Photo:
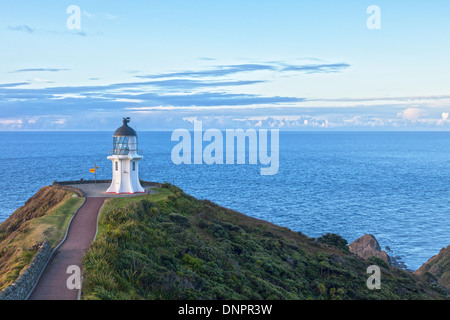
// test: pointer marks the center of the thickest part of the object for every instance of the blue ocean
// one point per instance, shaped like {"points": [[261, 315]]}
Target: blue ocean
{"points": [[394, 185]]}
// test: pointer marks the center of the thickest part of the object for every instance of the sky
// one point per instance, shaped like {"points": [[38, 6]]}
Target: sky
{"points": [[292, 65]]}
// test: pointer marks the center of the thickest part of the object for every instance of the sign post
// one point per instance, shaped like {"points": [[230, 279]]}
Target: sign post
{"points": [[94, 171]]}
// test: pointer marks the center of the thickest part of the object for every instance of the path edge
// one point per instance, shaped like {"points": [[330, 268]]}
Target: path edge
{"points": [[54, 250], [95, 237]]}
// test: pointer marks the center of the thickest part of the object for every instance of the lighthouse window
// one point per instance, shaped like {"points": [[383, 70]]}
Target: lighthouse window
{"points": [[134, 166], [120, 145], [117, 166]]}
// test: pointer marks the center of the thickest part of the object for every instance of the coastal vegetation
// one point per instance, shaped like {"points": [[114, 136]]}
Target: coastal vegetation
{"points": [[170, 245], [44, 217]]}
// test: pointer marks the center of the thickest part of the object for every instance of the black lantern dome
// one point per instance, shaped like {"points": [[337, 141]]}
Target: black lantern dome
{"points": [[125, 130]]}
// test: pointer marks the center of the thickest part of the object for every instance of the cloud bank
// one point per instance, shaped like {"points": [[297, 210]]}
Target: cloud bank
{"points": [[219, 95]]}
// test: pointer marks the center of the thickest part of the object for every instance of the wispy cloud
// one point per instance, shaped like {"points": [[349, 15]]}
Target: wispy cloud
{"points": [[109, 16], [217, 71], [145, 87], [31, 30], [195, 84], [226, 70], [170, 92], [317, 68], [106, 16], [22, 28], [15, 84], [211, 99], [392, 98], [87, 14], [39, 70], [39, 80], [77, 33]]}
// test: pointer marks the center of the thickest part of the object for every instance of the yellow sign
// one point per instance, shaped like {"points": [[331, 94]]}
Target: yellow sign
{"points": [[92, 170]]}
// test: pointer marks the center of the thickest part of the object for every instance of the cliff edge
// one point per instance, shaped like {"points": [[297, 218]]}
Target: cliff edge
{"points": [[43, 217], [438, 267]]}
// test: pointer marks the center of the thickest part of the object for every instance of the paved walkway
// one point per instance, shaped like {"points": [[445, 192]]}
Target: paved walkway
{"points": [[83, 228], [52, 284]]}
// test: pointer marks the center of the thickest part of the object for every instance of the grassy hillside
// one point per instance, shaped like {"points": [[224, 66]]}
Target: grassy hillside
{"points": [[172, 246], [44, 217], [438, 268]]}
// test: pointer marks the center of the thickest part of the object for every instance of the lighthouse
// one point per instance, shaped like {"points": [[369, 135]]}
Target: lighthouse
{"points": [[125, 161]]}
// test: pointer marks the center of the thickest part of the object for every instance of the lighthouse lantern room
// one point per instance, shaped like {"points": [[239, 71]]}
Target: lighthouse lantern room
{"points": [[125, 159]]}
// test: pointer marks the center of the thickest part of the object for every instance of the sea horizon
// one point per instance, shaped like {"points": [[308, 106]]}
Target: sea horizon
{"points": [[246, 128]]}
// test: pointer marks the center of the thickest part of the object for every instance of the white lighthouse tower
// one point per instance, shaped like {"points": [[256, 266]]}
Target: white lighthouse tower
{"points": [[125, 158]]}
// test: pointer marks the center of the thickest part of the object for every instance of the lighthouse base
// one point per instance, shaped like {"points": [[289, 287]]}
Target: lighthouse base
{"points": [[118, 187]]}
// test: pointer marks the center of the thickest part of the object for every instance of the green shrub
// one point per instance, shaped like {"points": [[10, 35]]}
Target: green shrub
{"points": [[378, 261], [334, 240]]}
